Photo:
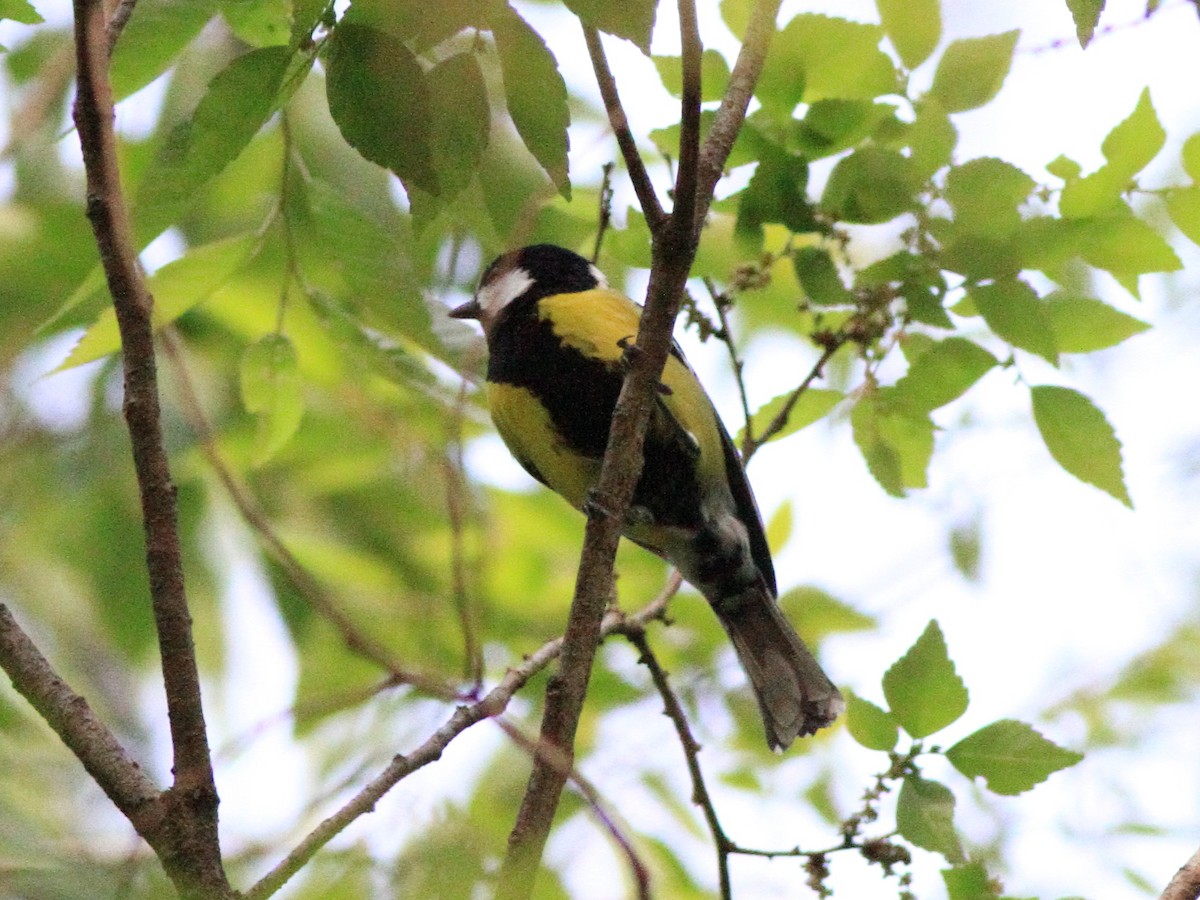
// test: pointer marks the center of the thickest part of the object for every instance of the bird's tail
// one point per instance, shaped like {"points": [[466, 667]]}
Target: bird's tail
{"points": [[794, 695]]}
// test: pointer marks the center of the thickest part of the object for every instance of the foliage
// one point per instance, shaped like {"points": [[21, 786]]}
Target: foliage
{"points": [[333, 533]]}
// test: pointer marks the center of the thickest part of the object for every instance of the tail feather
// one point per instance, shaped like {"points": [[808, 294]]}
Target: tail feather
{"points": [[795, 696]]}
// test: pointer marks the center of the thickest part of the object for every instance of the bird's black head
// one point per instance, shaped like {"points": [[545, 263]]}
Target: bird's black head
{"points": [[527, 275]]}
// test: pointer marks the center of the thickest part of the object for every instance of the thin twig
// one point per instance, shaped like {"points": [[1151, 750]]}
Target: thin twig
{"points": [[639, 870], [117, 22], [617, 119], [721, 302], [493, 704], [751, 444], [195, 863], [730, 115], [1185, 885], [605, 211], [254, 516]]}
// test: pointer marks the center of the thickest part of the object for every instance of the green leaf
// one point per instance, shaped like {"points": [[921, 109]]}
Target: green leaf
{"points": [[736, 16], [1126, 246], [932, 138], [923, 689], [260, 23], [872, 727], [1183, 206], [20, 11], [271, 390], [969, 881], [239, 100], [972, 71], [380, 102], [1190, 156], [1010, 756], [925, 817], [535, 93], [1128, 149], [819, 277], [814, 404], [714, 75], [870, 186], [913, 27], [816, 57], [895, 443], [176, 288], [1014, 311], [779, 528], [918, 280], [1084, 325], [817, 613], [629, 19], [831, 126], [1064, 167], [1080, 439], [1086, 14], [776, 193], [986, 195], [156, 33], [941, 374]]}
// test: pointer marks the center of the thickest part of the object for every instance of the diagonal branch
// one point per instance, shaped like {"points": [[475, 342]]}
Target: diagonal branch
{"points": [[195, 862], [1185, 885]]}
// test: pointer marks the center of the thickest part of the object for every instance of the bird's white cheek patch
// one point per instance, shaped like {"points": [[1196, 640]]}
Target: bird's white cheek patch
{"points": [[501, 291]]}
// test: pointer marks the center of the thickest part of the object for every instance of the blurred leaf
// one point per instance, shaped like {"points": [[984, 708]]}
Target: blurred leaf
{"points": [[972, 71], [872, 727], [1190, 156], [925, 816], [941, 374], [271, 385], [816, 57], [969, 881], [1086, 14], [895, 442], [380, 100], [917, 279], [1124, 245], [986, 194], [923, 689], [779, 528], [831, 126], [820, 278], [1014, 311], [1183, 206], [814, 404], [1084, 325], [629, 19], [20, 11], [776, 193], [1010, 756], [932, 137], [1080, 438], [965, 548], [535, 92], [154, 36], [260, 23], [870, 186], [914, 28], [818, 614], [714, 75], [176, 288]]}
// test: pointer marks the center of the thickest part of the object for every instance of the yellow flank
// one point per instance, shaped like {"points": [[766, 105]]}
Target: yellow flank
{"points": [[526, 428]]}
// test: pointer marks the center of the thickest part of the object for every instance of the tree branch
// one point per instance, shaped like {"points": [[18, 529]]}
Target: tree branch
{"points": [[493, 704], [194, 861], [1185, 885], [674, 250]]}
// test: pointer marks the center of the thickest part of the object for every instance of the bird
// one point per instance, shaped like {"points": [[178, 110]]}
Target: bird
{"points": [[556, 336]]}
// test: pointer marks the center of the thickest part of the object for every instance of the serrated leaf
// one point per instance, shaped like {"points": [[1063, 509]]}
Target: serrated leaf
{"points": [[814, 404], [1014, 311], [20, 11], [972, 71], [986, 195], [535, 94], [1080, 439], [923, 690], [815, 57], [271, 390], [629, 19], [237, 103], [872, 727], [714, 75], [969, 882], [870, 186], [1190, 156], [380, 102], [925, 816], [819, 277], [776, 193], [1084, 325], [1125, 246], [943, 373], [1183, 206], [914, 28], [895, 443], [1010, 756], [176, 287], [1086, 14]]}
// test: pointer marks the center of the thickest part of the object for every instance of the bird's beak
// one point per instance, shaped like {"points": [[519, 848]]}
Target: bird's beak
{"points": [[469, 310]]}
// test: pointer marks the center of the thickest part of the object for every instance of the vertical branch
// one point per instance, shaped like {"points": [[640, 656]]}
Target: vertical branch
{"points": [[194, 786], [674, 250]]}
